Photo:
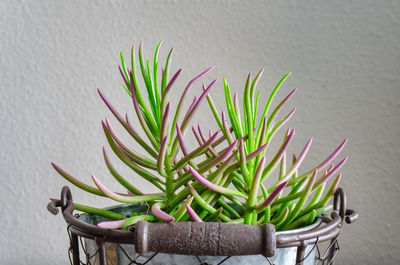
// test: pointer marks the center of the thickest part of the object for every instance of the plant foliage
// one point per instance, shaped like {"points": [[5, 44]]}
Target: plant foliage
{"points": [[224, 178]]}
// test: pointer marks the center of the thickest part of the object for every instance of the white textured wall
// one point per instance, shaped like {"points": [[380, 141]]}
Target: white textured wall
{"points": [[54, 54]]}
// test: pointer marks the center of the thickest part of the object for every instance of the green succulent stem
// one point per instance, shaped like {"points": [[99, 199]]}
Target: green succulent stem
{"points": [[170, 179], [97, 211], [134, 77], [252, 199]]}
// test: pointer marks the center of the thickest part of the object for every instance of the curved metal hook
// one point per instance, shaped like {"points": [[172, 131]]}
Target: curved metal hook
{"points": [[351, 216], [347, 215], [66, 198], [52, 206], [341, 208]]}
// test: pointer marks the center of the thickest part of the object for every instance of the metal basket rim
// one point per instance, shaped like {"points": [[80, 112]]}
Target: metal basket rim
{"points": [[329, 229]]}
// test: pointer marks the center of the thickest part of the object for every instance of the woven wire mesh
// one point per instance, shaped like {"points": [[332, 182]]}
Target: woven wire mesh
{"points": [[327, 257], [123, 254]]}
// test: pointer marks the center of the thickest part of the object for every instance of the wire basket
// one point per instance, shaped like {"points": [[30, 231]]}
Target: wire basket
{"points": [[318, 245]]}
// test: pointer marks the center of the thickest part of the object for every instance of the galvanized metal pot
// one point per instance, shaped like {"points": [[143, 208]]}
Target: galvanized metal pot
{"points": [[123, 254]]}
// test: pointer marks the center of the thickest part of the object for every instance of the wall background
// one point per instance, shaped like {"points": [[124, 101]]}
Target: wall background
{"points": [[345, 60]]}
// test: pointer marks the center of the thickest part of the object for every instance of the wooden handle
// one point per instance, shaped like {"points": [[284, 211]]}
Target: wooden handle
{"points": [[205, 239]]}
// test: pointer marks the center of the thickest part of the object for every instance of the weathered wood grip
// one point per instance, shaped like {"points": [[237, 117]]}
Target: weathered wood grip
{"points": [[206, 239]]}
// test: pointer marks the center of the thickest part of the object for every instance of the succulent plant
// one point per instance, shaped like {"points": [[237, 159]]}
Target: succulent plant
{"points": [[224, 178]]}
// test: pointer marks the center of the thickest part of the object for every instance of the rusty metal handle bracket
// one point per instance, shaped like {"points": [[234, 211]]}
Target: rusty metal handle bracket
{"points": [[340, 206], [210, 239]]}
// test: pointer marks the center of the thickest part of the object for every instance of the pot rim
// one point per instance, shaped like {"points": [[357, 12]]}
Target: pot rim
{"points": [[316, 224]]}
